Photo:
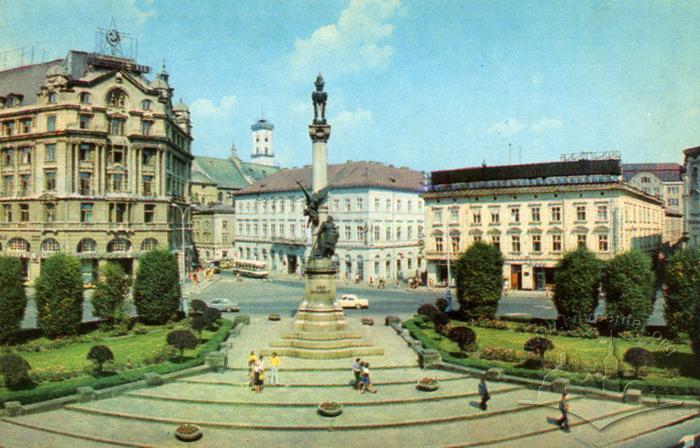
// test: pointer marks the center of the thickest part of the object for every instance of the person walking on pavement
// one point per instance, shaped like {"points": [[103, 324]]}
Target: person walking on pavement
{"points": [[356, 371], [274, 369], [252, 360], [483, 393], [564, 408]]}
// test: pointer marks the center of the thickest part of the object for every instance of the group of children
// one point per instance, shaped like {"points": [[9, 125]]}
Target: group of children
{"points": [[256, 371], [363, 382]]}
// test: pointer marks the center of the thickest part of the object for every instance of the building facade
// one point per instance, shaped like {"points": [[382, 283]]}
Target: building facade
{"points": [[376, 208], [535, 213], [692, 195], [214, 180], [94, 161]]}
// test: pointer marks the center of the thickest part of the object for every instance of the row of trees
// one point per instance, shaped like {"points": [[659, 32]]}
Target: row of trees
{"points": [[59, 294]]}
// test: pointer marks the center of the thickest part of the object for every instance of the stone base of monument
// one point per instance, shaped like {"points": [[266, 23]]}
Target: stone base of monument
{"points": [[320, 328]]}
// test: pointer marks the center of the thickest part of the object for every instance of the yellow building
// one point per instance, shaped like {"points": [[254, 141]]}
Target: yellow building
{"points": [[535, 213], [94, 160]]}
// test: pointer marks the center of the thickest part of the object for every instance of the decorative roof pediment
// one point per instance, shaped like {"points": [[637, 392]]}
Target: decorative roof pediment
{"points": [[494, 232], [475, 232], [555, 230], [514, 230], [534, 230], [601, 229], [580, 229]]}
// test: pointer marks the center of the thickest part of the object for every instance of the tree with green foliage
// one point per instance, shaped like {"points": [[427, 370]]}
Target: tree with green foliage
{"points": [[15, 371], [100, 354], [577, 281], [682, 278], [479, 279], [638, 358], [111, 293], [181, 340], [465, 337], [539, 346], [59, 296], [628, 284], [695, 332], [157, 287], [13, 300]]}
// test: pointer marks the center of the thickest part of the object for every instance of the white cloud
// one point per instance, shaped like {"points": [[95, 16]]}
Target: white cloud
{"points": [[140, 14], [348, 121], [352, 44], [506, 128], [545, 124], [204, 108]]}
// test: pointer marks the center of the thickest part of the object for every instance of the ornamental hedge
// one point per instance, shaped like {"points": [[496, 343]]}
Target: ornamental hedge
{"points": [[111, 293], [59, 296], [577, 280], [157, 287], [13, 300], [479, 279], [15, 370], [100, 354], [682, 278]]}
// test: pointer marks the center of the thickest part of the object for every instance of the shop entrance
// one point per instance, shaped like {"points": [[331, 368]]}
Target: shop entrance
{"points": [[516, 276]]}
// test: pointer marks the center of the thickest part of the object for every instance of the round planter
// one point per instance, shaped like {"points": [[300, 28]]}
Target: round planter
{"points": [[274, 317], [428, 387], [190, 436], [334, 412]]}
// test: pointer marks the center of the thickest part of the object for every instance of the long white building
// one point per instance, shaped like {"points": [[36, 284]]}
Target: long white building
{"points": [[376, 208], [692, 195]]}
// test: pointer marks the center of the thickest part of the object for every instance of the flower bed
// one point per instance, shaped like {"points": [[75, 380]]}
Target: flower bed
{"points": [[330, 409], [188, 433], [428, 384]]}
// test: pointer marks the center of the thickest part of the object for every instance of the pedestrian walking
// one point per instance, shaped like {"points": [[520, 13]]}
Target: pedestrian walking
{"points": [[274, 368], [259, 374], [252, 360], [366, 379], [564, 408], [484, 393], [356, 371]]}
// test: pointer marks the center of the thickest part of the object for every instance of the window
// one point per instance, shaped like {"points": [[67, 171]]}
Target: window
{"points": [[147, 157], [420, 231], [52, 98], [152, 243], [84, 98], [24, 183], [377, 204], [646, 180], [602, 213], [116, 98], [438, 244], [515, 215], [117, 154], [360, 233], [50, 180], [556, 243], [437, 216], [84, 121], [25, 154], [8, 128], [85, 152], [27, 126], [388, 205], [51, 123], [8, 185], [348, 233], [50, 212], [117, 212], [50, 152], [454, 214], [398, 233], [116, 126], [580, 213], [515, 243], [146, 105], [495, 217], [18, 245], [146, 127], [377, 233], [398, 205], [348, 204], [118, 182], [535, 214], [496, 241], [388, 233], [119, 245], [476, 217], [7, 212], [581, 240], [603, 243], [454, 239], [292, 230], [149, 211], [24, 212], [85, 186], [476, 238], [537, 243], [359, 205], [148, 185], [556, 214]]}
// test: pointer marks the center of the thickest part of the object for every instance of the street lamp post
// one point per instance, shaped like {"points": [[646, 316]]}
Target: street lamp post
{"points": [[183, 209]]}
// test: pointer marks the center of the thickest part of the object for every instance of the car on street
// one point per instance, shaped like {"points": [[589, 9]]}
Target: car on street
{"points": [[352, 301], [223, 305]]}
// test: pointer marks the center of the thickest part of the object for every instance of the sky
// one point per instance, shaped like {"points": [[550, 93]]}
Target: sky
{"points": [[424, 84]]}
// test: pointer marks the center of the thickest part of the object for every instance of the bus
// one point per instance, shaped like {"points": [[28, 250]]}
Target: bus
{"points": [[249, 268]]}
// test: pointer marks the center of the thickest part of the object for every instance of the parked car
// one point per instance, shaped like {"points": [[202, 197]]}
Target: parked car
{"points": [[352, 301], [223, 305]]}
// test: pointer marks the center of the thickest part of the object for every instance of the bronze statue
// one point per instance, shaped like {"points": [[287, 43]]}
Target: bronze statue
{"points": [[313, 202], [319, 98], [326, 240]]}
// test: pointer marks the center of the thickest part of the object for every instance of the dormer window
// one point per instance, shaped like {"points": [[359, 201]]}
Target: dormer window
{"points": [[84, 98], [52, 98], [146, 105]]}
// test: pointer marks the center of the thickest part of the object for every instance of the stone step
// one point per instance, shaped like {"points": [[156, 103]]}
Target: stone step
{"points": [[340, 353], [320, 345], [330, 336]]}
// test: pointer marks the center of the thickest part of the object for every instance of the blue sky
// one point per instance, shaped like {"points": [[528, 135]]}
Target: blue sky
{"points": [[425, 84]]}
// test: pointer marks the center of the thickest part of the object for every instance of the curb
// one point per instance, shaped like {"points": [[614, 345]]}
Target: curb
{"points": [[346, 384]]}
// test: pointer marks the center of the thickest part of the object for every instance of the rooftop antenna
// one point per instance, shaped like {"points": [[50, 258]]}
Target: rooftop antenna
{"points": [[509, 153], [113, 42]]}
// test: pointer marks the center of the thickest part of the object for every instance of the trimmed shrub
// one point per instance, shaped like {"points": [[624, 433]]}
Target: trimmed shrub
{"points": [[628, 283], [212, 316], [157, 287], [427, 310], [695, 331], [198, 306], [577, 281], [100, 354], [538, 346], [682, 280], [59, 296], [638, 358], [13, 300], [440, 320], [464, 337], [15, 370], [198, 322], [181, 340], [479, 279], [111, 292], [441, 304]]}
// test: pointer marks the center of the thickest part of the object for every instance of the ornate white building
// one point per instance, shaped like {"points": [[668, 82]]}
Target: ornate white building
{"points": [[376, 207], [692, 195]]}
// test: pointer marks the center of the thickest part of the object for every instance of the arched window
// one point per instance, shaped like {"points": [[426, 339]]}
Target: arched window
{"points": [[119, 245], [149, 244], [50, 245], [84, 98], [146, 105], [116, 98], [18, 245], [87, 245]]}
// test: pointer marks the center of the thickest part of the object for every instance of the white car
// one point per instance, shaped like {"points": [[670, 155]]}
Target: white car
{"points": [[223, 305], [352, 301]]}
